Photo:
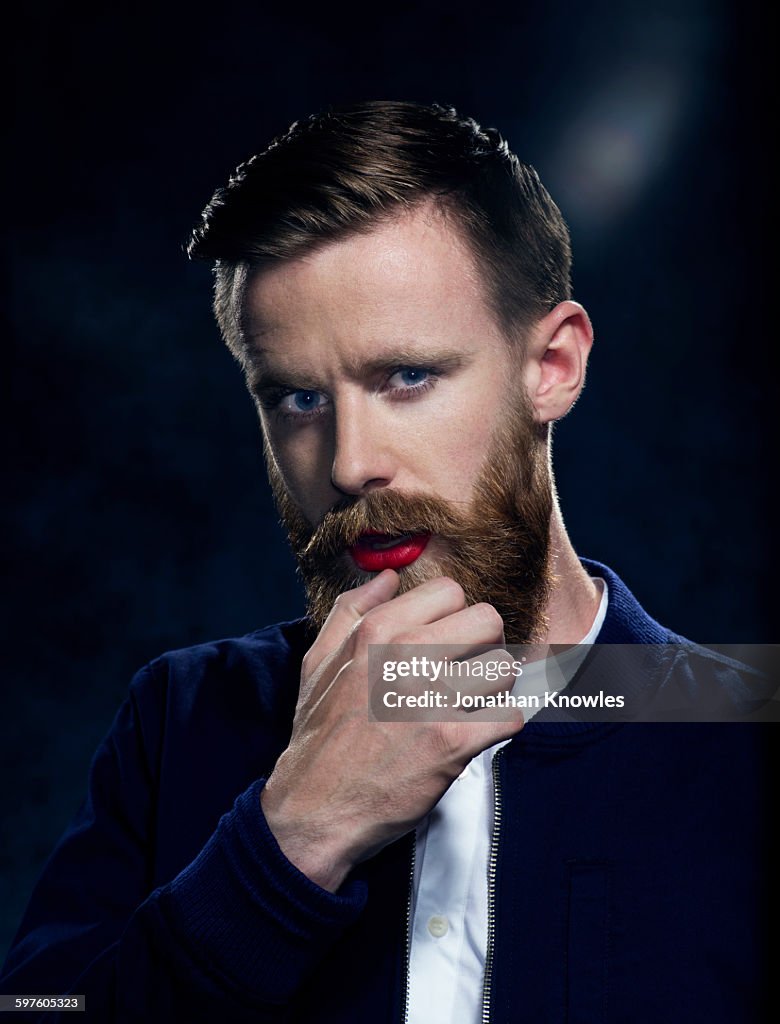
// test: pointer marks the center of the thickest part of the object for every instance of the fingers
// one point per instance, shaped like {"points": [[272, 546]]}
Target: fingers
{"points": [[485, 728], [460, 630], [433, 613], [423, 605], [382, 616], [349, 608]]}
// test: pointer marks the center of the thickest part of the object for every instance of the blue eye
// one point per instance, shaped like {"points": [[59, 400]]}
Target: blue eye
{"points": [[410, 377], [301, 402]]}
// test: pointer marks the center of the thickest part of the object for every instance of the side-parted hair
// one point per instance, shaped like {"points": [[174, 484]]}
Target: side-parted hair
{"points": [[345, 170]]}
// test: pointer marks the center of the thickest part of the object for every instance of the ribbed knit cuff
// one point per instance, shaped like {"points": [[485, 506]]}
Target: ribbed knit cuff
{"points": [[250, 912]]}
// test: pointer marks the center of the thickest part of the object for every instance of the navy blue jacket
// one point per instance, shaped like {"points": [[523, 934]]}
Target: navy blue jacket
{"points": [[630, 865]]}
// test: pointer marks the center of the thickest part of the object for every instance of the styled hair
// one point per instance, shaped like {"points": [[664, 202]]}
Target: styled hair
{"points": [[345, 170]]}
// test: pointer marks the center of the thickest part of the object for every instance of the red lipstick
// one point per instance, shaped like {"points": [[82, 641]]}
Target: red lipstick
{"points": [[376, 551]]}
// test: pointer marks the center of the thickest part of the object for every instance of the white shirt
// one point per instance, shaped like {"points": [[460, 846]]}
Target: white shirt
{"points": [[448, 931]]}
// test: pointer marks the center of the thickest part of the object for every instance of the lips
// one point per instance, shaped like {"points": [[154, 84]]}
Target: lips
{"points": [[376, 551]]}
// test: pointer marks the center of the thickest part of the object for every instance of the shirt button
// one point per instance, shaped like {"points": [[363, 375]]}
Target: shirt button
{"points": [[438, 926]]}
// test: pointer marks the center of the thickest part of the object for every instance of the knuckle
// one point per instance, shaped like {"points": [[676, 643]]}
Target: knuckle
{"points": [[453, 590], [411, 638], [488, 617], [369, 630], [343, 603], [447, 740]]}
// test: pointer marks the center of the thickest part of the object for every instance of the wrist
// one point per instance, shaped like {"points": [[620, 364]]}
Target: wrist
{"points": [[318, 850]]}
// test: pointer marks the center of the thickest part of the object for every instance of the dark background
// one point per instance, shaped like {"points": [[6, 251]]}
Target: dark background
{"points": [[138, 517]]}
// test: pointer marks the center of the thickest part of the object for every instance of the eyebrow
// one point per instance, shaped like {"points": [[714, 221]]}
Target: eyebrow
{"points": [[262, 376]]}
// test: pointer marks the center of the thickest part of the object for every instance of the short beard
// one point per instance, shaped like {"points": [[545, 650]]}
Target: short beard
{"points": [[498, 550]]}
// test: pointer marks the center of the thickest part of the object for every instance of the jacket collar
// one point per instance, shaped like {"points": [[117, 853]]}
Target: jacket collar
{"points": [[626, 621]]}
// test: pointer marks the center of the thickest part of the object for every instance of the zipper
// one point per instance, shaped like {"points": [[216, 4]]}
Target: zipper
{"points": [[408, 938], [491, 894]]}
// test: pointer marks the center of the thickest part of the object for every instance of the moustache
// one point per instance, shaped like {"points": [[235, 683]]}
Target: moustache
{"points": [[381, 511]]}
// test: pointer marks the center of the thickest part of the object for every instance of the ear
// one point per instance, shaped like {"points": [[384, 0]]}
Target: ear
{"points": [[555, 359]]}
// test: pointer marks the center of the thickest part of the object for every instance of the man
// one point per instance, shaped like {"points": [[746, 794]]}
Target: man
{"points": [[395, 285]]}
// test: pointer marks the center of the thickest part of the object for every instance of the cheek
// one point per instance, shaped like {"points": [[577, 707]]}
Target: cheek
{"points": [[304, 465], [298, 473], [451, 454]]}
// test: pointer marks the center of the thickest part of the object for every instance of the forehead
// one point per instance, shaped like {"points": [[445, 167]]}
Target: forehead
{"points": [[411, 277]]}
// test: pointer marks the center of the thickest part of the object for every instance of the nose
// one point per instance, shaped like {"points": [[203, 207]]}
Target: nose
{"points": [[363, 457]]}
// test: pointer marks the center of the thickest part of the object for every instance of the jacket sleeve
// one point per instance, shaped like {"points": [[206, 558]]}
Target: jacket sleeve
{"points": [[232, 937]]}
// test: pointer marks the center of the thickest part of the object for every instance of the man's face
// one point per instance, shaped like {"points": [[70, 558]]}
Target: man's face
{"points": [[396, 428]]}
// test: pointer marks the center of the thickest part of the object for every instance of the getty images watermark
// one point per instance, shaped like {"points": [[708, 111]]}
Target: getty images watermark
{"points": [[586, 683], [472, 672]]}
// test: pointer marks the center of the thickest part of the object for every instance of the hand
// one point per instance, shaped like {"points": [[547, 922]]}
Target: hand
{"points": [[346, 786]]}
